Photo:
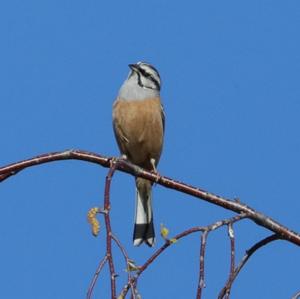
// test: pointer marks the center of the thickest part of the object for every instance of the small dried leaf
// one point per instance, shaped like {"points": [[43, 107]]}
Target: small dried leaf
{"points": [[131, 266]]}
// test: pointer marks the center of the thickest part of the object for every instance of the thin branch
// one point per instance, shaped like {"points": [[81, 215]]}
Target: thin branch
{"points": [[96, 275], [14, 168], [108, 256], [125, 166], [232, 258], [179, 236], [128, 266], [296, 296], [108, 230], [201, 283], [244, 211], [232, 247], [243, 261]]}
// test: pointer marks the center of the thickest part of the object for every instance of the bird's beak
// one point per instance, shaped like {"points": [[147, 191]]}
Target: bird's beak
{"points": [[134, 67]]}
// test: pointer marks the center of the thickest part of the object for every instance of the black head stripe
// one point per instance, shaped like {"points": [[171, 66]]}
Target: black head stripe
{"points": [[156, 71], [139, 80], [149, 76]]}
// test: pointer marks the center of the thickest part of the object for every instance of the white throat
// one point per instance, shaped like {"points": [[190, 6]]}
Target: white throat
{"points": [[131, 90]]}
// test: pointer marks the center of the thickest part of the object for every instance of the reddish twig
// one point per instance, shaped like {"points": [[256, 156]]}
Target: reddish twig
{"points": [[245, 258], [179, 236], [14, 168], [232, 257], [125, 166], [96, 275], [244, 211], [108, 229], [128, 266], [108, 256], [201, 283]]}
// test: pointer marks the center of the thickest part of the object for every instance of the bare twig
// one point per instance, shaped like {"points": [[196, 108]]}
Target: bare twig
{"points": [[232, 257], [244, 211], [108, 229], [128, 266], [179, 236], [96, 275], [125, 166], [201, 283], [14, 168], [232, 248], [245, 258], [108, 256]]}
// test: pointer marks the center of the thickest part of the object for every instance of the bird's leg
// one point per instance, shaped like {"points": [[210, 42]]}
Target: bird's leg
{"points": [[152, 161]]}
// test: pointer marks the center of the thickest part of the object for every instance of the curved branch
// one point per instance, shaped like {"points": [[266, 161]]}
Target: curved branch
{"points": [[125, 166], [96, 275], [244, 260], [296, 296], [205, 230]]}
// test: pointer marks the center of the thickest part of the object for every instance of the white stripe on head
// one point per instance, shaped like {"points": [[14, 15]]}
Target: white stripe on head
{"points": [[149, 73], [143, 82]]}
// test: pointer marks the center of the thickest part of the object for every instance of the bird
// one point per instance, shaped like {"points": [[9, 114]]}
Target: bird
{"points": [[139, 125]]}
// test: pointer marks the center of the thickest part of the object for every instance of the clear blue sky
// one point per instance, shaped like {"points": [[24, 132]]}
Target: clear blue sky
{"points": [[230, 72]]}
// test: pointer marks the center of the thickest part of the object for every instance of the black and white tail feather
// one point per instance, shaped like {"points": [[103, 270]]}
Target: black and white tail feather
{"points": [[143, 226]]}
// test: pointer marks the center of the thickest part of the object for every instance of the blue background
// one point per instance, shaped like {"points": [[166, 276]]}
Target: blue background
{"points": [[230, 72]]}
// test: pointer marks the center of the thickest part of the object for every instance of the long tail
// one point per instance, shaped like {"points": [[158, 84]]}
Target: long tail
{"points": [[143, 226]]}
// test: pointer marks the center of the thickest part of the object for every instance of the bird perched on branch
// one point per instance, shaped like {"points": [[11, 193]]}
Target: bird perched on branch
{"points": [[138, 122]]}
